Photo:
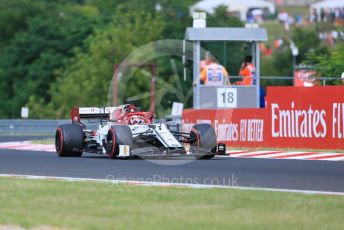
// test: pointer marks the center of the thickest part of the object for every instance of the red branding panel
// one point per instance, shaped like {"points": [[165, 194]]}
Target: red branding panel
{"points": [[295, 117], [235, 127], [306, 117]]}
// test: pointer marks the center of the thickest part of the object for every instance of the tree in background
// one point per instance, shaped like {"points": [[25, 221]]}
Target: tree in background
{"points": [[14, 16], [42, 42], [330, 64], [29, 59], [85, 79]]}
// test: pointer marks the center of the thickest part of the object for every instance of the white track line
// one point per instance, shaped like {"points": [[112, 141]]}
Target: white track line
{"points": [[164, 184]]}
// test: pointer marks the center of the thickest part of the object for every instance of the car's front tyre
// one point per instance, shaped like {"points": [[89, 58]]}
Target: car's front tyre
{"points": [[117, 135], [203, 141]]}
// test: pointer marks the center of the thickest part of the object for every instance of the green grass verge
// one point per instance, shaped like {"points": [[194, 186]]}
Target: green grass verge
{"points": [[90, 205]]}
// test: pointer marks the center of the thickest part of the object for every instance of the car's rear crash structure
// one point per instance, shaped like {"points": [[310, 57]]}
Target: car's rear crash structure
{"points": [[123, 132]]}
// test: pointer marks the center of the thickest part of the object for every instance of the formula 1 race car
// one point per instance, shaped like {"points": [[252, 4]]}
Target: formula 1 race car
{"points": [[124, 131]]}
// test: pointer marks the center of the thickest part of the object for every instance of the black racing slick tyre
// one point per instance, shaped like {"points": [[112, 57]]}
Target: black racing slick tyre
{"points": [[203, 140], [117, 135], [69, 140]]}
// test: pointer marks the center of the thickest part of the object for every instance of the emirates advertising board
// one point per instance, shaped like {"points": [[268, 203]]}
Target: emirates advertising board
{"points": [[306, 117], [295, 117]]}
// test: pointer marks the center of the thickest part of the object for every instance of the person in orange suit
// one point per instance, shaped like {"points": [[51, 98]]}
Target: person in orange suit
{"points": [[247, 71]]}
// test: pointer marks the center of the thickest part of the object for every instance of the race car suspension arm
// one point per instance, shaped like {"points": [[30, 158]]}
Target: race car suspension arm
{"points": [[184, 137]]}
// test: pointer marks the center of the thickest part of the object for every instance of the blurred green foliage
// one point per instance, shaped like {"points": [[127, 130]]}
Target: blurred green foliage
{"points": [[42, 43], [281, 62], [85, 82], [58, 54], [329, 64]]}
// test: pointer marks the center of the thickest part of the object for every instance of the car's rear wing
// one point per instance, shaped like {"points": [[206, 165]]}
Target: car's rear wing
{"points": [[78, 113]]}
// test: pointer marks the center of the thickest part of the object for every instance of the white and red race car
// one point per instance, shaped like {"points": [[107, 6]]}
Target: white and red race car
{"points": [[124, 131]]}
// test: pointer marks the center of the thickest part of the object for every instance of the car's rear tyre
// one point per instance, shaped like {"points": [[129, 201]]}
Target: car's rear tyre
{"points": [[203, 140], [69, 140], [117, 135]]}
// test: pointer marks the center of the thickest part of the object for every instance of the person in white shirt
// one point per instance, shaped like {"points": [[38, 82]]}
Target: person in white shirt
{"points": [[214, 73]]}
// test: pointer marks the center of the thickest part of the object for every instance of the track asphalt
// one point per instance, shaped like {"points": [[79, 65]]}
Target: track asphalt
{"points": [[262, 173]]}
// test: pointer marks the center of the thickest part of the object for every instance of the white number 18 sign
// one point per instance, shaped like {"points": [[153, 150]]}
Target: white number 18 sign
{"points": [[227, 98]]}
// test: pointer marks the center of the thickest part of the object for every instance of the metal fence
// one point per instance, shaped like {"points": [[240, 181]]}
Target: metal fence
{"points": [[30, 126]]}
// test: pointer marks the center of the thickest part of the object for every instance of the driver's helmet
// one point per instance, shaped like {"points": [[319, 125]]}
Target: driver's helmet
{"points": [[129, 109]]}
